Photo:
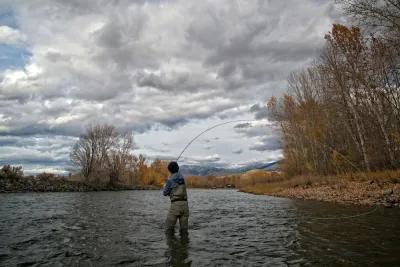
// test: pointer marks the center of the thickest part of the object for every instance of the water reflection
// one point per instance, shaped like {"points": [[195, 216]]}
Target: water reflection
{"points": [[177, 251]]}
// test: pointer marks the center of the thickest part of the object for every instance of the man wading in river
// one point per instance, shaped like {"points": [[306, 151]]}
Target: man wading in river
{"points": [[175, 188]]}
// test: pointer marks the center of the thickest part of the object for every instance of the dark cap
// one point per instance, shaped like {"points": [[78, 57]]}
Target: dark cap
{"points": [[173, 167]]}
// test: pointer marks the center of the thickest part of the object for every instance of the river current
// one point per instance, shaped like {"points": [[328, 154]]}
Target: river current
{"points": [[227, 228]]}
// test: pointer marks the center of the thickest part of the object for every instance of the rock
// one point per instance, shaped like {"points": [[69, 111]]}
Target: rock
{"points": [[388, 192], [391, 201]]}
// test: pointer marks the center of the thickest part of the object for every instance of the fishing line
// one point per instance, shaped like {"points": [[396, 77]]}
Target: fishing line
{"points": [[206, 130], [319, 143], [342, 217]]}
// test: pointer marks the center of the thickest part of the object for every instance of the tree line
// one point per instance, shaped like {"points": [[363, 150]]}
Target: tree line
{"points": [[238, 180], [105, 154], [342, 113]]}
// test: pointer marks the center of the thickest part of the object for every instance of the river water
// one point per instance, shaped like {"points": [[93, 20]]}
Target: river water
{"points": [[227, 228]]}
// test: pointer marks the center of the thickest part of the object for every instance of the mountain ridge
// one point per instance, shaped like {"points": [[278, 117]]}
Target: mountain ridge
{"points": [[204, 170]]}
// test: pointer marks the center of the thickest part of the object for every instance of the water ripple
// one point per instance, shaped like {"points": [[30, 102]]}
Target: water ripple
{"points": [[227, 228]]}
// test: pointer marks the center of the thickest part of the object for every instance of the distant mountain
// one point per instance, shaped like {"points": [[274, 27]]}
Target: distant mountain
{"points": [[204, 170]]}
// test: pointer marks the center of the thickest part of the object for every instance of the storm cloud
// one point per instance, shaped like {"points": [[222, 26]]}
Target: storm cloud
{"points": [[143, 65]]}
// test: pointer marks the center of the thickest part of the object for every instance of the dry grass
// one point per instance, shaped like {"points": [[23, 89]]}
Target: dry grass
{"points": [[357, 188], [276, 184]]}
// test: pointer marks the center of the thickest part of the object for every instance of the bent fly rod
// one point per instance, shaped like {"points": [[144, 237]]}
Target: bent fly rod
{"points": [[330, 148], [207, 130]]}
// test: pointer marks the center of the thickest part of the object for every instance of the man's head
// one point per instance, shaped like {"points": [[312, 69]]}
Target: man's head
{"points": [[173, 167]]}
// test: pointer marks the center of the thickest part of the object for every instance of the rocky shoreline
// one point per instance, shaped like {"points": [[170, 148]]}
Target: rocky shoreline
{"points": [[381, 193], [34, 184], [369, 193]]}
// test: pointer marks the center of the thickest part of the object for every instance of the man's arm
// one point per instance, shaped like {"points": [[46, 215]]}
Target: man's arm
{"points": [[167, 188]]}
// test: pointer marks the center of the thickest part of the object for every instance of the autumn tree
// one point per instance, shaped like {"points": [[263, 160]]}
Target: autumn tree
{"points": [[158, 172], [342, 113], [142, 172]]}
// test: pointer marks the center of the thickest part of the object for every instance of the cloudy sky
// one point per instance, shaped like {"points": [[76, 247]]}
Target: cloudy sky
{"points": [[163, 69]]}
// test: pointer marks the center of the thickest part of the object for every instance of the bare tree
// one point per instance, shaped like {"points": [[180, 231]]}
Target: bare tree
{"points": [[104, 150], [119, 156], [84, 152], [382, 14]]}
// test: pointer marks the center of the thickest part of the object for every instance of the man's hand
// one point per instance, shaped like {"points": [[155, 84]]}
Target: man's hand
{"points": [[167, 188]]}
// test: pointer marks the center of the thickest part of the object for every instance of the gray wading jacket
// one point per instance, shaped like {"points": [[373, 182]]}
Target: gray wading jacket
{"points": [[175, 187]]}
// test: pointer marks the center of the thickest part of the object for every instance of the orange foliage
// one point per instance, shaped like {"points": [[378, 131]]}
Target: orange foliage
{"points": [[347, 39], [154, 174], [233, 180]]}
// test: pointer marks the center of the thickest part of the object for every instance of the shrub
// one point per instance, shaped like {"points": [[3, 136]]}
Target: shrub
{"points": [[44, 176], [11, 172]]}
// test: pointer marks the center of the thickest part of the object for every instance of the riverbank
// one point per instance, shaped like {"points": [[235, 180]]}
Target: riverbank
{"points": [[60, 184], [376, 188]]}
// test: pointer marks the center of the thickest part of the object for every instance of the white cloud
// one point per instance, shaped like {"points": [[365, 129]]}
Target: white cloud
{"points": [[10, 36]]}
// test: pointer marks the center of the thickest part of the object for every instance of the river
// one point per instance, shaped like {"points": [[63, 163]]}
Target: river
{"points": [[227, 228]]}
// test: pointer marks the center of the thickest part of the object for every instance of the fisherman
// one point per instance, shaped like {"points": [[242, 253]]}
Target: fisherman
{"points": [[175, 188]]}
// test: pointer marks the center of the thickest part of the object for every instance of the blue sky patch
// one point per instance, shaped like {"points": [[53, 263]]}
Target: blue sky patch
{"points": [[12, 57], [7, 17]]}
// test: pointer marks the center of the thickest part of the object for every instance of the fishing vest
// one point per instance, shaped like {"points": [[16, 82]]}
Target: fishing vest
{"points": [[178, 192]]}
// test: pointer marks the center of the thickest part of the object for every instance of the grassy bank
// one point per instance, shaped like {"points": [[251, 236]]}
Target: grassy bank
{"points": [[374, 188]]}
